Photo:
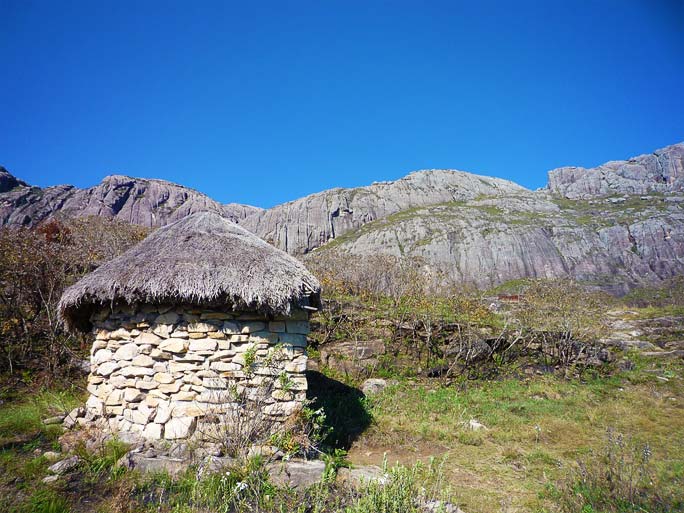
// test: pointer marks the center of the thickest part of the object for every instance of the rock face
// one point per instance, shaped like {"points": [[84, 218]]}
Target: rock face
{"points": [[487, 242], [662, 171], [133, 200], [307, 223], [616, 225]]}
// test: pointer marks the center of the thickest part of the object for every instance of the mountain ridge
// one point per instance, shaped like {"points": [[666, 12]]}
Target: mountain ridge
{"points": [[620, 223]]}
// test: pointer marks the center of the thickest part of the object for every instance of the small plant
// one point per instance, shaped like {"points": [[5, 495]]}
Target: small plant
{"points": [[621, 479], [102, 462], [47, 501], [333, 462]]}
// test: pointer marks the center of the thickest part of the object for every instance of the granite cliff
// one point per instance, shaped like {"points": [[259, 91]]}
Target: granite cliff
{"points": [[133, 200], [617, 225]]}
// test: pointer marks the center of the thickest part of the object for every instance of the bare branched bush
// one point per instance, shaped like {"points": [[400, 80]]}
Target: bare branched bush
{"points": [[35, 267], [620, 478], [248, 413], [563, 319]]}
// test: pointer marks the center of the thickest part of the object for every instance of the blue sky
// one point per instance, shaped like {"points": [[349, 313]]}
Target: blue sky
{"points": [[264, 102]]}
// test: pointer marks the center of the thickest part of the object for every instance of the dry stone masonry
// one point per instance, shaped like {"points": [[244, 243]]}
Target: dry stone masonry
{"points": [[186, 373]]}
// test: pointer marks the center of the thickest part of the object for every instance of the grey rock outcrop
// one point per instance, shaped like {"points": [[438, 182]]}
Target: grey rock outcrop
{"points": [[307, 223], [8, 182], [661, 171], [617, 225], [134, 200], [487, 243]]}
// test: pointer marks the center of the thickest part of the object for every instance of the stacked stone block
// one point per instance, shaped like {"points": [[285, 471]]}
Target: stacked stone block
{"points": [[179, 372]]}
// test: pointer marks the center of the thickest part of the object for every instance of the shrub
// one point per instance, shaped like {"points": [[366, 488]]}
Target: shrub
{"points": [[620, 479], [564, 319], [35, 267]]}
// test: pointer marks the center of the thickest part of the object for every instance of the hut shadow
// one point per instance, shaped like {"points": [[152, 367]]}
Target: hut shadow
{"points": [[346, 414]]}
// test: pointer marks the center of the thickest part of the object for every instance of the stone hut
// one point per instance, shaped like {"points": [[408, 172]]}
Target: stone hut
{"points": [[197, 329]]}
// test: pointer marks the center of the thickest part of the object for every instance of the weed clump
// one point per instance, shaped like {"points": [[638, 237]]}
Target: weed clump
{"points": [[622, 478]]}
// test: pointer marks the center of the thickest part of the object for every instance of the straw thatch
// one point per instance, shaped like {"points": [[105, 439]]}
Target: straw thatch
{"points": [[202, 259]]}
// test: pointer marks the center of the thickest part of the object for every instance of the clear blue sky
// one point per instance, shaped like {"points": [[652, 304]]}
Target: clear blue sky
{"points": [[264, 102]]}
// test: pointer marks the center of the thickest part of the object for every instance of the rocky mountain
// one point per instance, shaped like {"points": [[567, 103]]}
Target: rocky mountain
{"points": [[307, 223], [133, 200], [661, 171], [616, 225]]}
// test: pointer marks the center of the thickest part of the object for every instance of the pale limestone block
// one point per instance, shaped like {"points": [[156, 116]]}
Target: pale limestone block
{"points": [[137, 416], [204, 344], [187, 409], [114, 398], [206, 374], [133, 371], [152, 401], [201, 327], [169, 388], [184, 395], [107, 368], [221, 355], [163, 413], [189, 357], [282, 395], [214, 383], [179, 427], [101, 356], [183, 367], [215, 397], [118, 381], [126, 352], [98, 344], [283, 409], [225, 366], [95, 380], [146, 385], [120, 334], [142, 360], [158, 354], [95, 405], [174, 345], [153, 431], [163, 330], [192, 379], [148, 338], [114, 410], [297, 365], [133, 395]]}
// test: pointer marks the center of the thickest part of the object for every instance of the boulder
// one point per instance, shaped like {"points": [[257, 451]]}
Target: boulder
{"points": [[298, 474], [64, 466], [373, 386]]}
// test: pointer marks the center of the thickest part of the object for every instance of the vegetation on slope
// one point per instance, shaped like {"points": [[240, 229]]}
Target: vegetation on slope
{"points": [[496, 401]]}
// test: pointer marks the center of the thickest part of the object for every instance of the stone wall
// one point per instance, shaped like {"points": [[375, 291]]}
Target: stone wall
{"points": [[180, 373]]}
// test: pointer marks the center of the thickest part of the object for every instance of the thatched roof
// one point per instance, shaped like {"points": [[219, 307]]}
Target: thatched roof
{"points": [[202, 259]]}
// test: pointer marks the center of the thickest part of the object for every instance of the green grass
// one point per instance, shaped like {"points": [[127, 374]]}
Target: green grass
{"points": [[25, 417], [536, 430]]}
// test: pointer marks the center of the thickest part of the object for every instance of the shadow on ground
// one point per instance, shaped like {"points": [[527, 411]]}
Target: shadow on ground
{"points": [[344, 406]]}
